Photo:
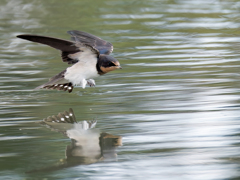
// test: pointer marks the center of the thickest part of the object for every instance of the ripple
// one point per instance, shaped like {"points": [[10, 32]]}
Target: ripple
{"points": [[132, 16], [15, 138]]}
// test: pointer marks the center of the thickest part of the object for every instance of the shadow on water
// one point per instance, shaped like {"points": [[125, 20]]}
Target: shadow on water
{"points": [[88, 145]]}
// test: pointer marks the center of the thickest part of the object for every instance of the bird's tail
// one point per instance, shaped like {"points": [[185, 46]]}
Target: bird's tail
{"points": [[65, 87], [57, 82]]}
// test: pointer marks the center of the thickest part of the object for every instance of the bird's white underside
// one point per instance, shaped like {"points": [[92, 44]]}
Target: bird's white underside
{"points": [[84, 69]]}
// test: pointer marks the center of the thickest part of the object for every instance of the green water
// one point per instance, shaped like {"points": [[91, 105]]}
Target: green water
{"points": [[175, 103]]}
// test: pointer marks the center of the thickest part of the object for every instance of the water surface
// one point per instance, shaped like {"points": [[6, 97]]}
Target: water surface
{"points": [[175, 103]]}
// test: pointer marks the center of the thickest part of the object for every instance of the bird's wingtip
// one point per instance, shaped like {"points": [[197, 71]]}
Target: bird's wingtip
{"points": [[19, 36], [24, 36]]}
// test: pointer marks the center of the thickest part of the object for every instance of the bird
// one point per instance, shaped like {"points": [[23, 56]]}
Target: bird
{"points": [[87, 54]]}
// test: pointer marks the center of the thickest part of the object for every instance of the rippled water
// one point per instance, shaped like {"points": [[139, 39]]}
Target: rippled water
{"points": [[175, 103]]}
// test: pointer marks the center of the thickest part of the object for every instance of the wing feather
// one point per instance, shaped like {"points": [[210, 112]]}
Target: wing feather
{"points": [[71, 51], [60, 44], [101, 45]]}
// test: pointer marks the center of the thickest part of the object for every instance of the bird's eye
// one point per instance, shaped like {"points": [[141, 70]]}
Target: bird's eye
{"points": [[111, 64]]}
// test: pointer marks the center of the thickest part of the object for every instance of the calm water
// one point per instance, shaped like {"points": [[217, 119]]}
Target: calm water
{"points": [[175, 103]]}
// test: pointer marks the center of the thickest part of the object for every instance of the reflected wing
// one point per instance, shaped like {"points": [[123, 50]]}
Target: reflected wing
{"points": [[72, 52], [102, 46], [64, 119]]}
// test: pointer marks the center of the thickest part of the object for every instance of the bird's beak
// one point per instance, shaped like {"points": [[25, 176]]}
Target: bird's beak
{"points": [[119, 67]]}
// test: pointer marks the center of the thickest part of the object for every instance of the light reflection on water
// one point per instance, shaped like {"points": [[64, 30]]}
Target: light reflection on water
{"points": [[175, 103]]}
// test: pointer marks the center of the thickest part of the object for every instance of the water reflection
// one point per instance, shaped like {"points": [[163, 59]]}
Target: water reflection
{"points": [[88, 145]]}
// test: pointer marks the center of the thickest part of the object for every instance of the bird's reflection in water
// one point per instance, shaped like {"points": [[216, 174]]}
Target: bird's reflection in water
{"points": [[88, 145]]}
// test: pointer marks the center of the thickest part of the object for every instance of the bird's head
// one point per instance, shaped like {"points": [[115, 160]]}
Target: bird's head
{"points": [[107, 63]]}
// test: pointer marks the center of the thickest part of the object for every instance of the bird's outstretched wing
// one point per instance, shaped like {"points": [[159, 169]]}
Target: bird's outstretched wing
{"points": [[101, 45], [72, 52]]}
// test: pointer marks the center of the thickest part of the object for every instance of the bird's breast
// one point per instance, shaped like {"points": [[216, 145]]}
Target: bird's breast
{"points": [[80, 71]]}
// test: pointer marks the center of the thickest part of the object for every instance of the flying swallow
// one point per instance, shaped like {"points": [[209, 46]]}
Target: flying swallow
{"points": [[88, 55]]}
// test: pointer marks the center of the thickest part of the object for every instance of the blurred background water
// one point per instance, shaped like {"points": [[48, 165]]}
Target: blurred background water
{"points": [[175, 103]]}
